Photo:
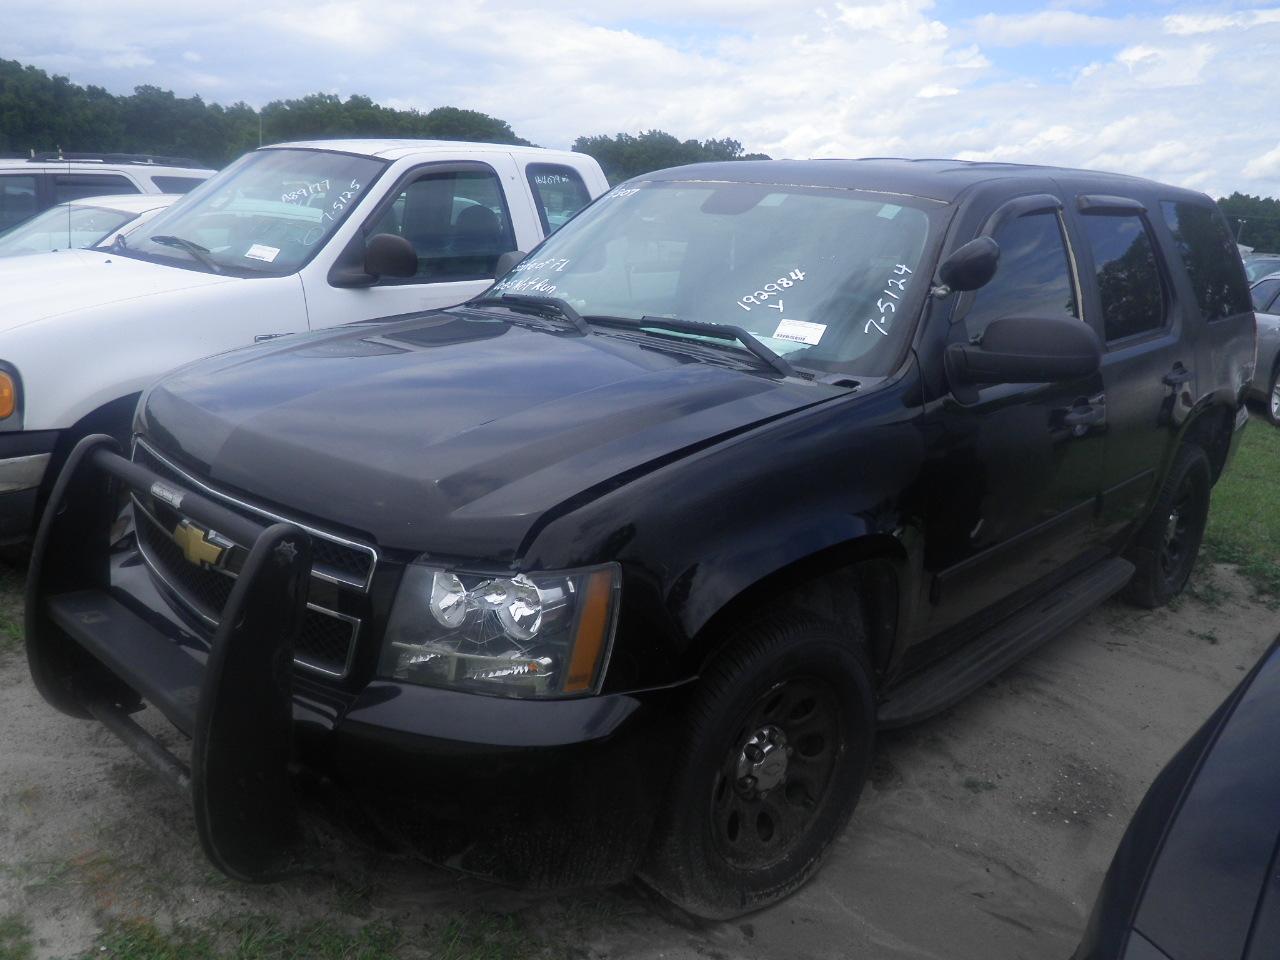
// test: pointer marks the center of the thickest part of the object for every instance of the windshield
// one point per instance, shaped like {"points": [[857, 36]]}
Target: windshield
{"points": [[830, 278], [61, 228], [262, 216]]}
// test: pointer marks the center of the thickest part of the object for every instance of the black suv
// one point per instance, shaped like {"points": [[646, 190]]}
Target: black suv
{"points": [[619, 567]]}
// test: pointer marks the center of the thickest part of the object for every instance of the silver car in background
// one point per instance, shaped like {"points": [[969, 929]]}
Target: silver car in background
{"points": [[82, 223], [1266, 375]]}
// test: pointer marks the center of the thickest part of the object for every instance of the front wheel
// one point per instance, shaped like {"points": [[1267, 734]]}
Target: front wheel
{"points": [[1166, 547], [1273, 397], [775, 754]]}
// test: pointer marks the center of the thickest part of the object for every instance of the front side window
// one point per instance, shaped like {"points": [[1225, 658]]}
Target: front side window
{"points": [[63, 227], [833, 278], [1264, 292], [265, 215], [1033, 278], [1130, 287], [1260, 267], [558, 193], [75, 186], [18, 199], [457, 222], [1211, 257]]}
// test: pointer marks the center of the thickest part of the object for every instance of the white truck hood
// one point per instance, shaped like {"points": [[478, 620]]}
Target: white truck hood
{"points": [[43, 285]]}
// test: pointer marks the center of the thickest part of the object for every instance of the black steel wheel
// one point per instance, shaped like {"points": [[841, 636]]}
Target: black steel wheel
{"points": [[777, 747], [1165, 549]]}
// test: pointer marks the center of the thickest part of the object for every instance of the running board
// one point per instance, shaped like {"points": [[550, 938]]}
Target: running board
{"points": [[989, 654]]}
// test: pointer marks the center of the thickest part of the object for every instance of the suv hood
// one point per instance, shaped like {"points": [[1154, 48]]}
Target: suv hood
{"points": [[42, 285], [451, 432]]}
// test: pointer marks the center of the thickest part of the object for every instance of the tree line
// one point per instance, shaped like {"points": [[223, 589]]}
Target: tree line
{"points": [[1254, 220], [44, 113]]}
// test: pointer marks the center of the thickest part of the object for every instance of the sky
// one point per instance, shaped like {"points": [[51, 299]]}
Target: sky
{"points": [[1185, 93]]}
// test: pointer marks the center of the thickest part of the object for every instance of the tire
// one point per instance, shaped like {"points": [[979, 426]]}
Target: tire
{"points": [[776, 748], [1165, 549], [1271, 402]]}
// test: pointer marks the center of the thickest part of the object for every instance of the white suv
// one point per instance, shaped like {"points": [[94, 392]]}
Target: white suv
{"points": [[30, 186], [289, 238]]}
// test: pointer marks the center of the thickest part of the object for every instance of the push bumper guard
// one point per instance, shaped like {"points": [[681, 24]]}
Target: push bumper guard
{"points": [[92, 656]]}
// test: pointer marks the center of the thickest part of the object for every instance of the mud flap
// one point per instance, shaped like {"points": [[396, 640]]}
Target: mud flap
{"points": [[90, 656]]}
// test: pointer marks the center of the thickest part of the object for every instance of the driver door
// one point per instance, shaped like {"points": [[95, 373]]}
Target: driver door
{"points": [[1018, 474]]}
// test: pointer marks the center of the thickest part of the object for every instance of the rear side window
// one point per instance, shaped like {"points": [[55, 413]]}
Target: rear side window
{"points": [[18, 200], [558, 193], [1129, 282], [176, 184], [1211, 257], [1034, 276], [75, 186]]}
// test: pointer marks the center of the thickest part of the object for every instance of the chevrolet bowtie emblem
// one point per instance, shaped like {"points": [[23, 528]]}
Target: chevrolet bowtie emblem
{"points": [[196, 546]]}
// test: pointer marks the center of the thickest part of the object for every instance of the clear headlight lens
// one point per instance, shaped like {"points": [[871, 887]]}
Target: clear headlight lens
{"points": [[527, 635]]}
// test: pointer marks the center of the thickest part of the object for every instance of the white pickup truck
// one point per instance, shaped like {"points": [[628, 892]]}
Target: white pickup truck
{"points": [[289, 238]]}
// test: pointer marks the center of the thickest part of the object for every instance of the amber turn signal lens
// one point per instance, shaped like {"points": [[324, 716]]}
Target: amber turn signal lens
{"points": [[8, 396], [593, 631]]}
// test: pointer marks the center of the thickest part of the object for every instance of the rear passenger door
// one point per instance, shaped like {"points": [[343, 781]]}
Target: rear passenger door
{"points": [[459, 217], [1148, 367]]}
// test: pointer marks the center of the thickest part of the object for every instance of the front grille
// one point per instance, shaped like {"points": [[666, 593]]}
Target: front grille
{"points": [[332, 558], [340, 570]]}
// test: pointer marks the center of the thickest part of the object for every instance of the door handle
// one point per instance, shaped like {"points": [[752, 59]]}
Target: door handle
{"points": [[1177, 376], [264, 337]]}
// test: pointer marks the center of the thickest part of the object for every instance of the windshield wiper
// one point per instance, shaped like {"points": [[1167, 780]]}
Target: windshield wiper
{"points": [[721, 331], [190, 246], [540, 302]]}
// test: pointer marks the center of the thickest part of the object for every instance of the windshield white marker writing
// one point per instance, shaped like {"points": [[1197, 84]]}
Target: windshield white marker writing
{"points": [[773, 289], [888, 302]]}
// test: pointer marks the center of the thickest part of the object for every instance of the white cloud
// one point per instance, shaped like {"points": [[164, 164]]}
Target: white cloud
{"points": [[1173, 96]]}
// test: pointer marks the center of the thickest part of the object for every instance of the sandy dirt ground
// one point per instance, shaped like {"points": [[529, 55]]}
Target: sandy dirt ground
{"points": [[984, 834]]}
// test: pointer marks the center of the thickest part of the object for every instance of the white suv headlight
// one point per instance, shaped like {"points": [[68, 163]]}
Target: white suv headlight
{"points": [[525, 635]]}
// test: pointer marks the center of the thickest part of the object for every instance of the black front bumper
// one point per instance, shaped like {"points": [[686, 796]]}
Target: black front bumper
{"points": [[546, 793]]}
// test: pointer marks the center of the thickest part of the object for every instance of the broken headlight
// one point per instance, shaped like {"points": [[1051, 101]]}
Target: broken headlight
{"points": [[522, 635]]}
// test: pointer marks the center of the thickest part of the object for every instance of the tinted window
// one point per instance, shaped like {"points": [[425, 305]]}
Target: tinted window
{"points": [[1263, 292], [558, 193], [1033, 279], [74, 186], [1129, 283], [457, 223], [1211, 257], [17, 199], [177, 184]]}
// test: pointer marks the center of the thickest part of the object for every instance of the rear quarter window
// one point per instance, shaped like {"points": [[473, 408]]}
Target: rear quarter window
{"points": [[1211, 257], [558, 193]]}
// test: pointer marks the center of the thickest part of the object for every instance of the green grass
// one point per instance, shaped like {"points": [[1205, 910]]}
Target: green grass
{"points": [[1244, 521], [15, 938], [10, 611]]}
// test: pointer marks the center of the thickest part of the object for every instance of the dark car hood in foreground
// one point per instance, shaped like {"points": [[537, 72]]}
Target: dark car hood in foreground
{"points": [[1196, 874], [453, 432]]}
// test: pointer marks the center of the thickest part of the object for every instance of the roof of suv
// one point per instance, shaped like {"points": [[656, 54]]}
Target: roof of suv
{"points": [[396, 149], [100, 165], [942, 180]]}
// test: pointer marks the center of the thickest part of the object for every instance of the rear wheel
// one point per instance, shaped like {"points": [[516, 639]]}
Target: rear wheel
{"points": [[1165, 550], [775, 755]]}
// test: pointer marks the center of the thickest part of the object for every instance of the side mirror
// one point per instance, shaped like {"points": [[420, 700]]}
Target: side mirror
{"points": [[1025, 350], [506, 262], [972, 266], [389, 255]]}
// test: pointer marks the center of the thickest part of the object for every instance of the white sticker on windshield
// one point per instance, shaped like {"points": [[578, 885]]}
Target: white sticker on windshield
{"points": [[800, 331], [888, 211], [260, 251]]}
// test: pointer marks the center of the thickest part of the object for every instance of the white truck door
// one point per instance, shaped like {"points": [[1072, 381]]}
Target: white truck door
{"points": [[459, 214]]}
